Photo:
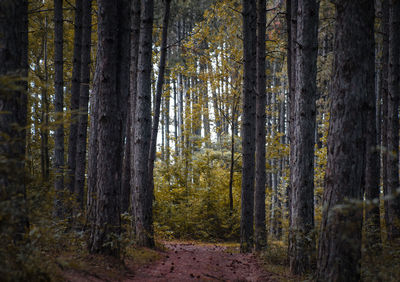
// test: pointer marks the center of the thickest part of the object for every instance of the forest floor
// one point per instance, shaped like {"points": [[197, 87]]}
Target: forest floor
{"points": [[178, 261]]}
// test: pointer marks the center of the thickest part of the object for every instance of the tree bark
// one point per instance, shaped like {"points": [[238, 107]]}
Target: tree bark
{"points": [[372, 169], [261, 100], [340, 235], [302, 169], [59, 105], [384, 95], [83, 102], [107, 222], [75, 94], [393, 122], [91, 204], [144, 193], [135, 34], [13, 117], [291, 13], [248, 125], [123, 88], [159, 90], [44, 130]]}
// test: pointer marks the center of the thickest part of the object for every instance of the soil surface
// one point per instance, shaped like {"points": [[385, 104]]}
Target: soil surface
{"points": [[201, 262]]}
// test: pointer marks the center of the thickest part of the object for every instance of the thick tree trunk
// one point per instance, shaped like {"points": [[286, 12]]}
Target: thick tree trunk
{"points": [[83, 102], [123, 88], [384, 108], [128, 194], [248, 125], [393, 122], [13, 117], [59, 104], [75, 94], [107, 222], [372, 169], [144, 192], [302, 171], [340, 235], [159, 90], [259, 196]]}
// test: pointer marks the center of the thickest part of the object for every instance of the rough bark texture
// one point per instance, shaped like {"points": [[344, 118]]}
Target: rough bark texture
{"points": [[13, 117], [144, 193], [260, 234], [107, 222], [131, 193], [75, 93], [159, 90], [340, 235], [124, 60], [93, 149], [372, 165], [393, 122], [59, 104], [384, 95], [248, 125], [302, 169], [83, 102], [291, 9]]}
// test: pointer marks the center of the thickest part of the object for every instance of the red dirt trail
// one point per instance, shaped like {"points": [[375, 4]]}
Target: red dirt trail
{"points": [[197, 262]]}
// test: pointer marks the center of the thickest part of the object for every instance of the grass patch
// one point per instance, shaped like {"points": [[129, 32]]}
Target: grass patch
{"points": [[275, 261]]}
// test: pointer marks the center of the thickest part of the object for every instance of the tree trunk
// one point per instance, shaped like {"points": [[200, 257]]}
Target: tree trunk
{"points": [[59, 105], [393, 122], [384, 95], [259, 196], [176, 106], [83, 102], [144, 193], [167, 121], [372, 169], [302, 180], [44, 130], [291, 11], [107, 222], [128, 194], [13, 117], [92, 155], [75, 94], [340, 235], [159, 90], [248, 125]]}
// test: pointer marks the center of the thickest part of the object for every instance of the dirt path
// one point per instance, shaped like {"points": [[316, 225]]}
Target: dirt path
{"points": [[191, 262]]}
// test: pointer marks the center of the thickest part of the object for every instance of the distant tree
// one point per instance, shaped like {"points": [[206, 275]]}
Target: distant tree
{"points": [[80, 166], [302, 145], [13, 117], [75, 94], [59, 106], [340, 235], [159, 90], [248, 124]]}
